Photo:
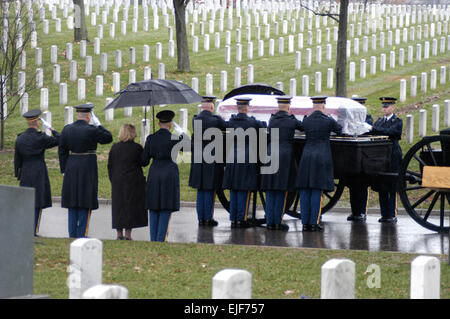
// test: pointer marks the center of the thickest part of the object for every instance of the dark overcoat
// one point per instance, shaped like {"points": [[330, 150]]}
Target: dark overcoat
{"points": [[206, 176], [284, 178], [392, 128], [242, 176], [78, 163], [316, 164], [162, 192], [29, 163], [127, 185]]}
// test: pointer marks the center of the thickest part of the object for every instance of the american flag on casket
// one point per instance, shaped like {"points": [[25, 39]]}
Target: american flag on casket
{"points": [[349, 113]]}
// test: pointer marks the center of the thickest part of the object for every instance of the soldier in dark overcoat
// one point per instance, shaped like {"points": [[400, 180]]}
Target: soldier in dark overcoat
{"points": [[29, 162], [358, 185], [278, 184], [206, 177], [78, 163], [389, 125], [241, 170], [162, 193], [315, 173]]}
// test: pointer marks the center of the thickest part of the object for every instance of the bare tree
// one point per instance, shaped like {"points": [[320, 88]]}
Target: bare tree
{"points": [[341, 48], [184, 64], [80, 30], [16, 29]]}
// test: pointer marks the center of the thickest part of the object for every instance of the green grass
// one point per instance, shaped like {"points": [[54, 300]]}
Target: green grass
{"points": [[268, 69], [167, 270]]}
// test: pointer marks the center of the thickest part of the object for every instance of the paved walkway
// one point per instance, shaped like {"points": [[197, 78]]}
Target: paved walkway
{"points": [[405, 236]]}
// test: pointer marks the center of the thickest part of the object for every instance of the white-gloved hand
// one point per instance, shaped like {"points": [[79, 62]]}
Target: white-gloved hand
{"points": [[95, 119], [177, 128], [45, 124], [367, 126]]}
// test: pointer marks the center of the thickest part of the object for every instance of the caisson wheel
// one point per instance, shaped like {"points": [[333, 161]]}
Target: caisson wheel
{"points": [[429, 207]]}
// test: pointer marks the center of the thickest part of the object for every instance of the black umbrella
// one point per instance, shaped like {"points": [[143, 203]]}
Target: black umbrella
{"points": [[254, 88], [154, 92]]}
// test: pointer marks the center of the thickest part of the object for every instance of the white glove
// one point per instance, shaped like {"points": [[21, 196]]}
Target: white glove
{"points": [[367, 126], [177, 128], [95, 119], [46, 124]]}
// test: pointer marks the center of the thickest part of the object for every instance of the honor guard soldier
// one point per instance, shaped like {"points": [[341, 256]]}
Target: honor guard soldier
{"points": [[78, 163], [315, 173], [29, 161], [358, 185], [241, 175], [392, 126], [206, 177], [278, 184], [162, 193]]}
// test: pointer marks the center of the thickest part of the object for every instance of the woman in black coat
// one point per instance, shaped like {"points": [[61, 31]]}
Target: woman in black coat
{"points": [[128, 183]]}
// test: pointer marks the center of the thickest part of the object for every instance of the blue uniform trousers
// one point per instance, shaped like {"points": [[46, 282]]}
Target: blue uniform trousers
{"points": [[37, 219], [388, 204], [275, 205], [239, 201], [205, 204], [358, 200], [310, 205], [159, 224], [79, 222]]}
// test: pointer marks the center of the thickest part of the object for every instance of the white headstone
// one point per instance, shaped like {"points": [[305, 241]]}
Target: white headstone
{"points": [[435, 118], [232, 284], [425, 278], [422, 123], [106, 292], [63, 94], [409, 128], [338, 279]]}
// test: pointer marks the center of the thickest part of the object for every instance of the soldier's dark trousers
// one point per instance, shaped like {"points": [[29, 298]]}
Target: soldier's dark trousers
{"points": [[358, 200], [205, 204], [310, 205], [275, 204], [239, 201], [78, 221], [159, 224], [388, 204], [37, 218]]}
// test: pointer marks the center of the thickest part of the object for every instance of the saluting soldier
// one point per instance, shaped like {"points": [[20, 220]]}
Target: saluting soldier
{"points": [[78, 163], [392, 126], [315, 173], [278, 184], [162, 194], [242, 174], [204, 176], [29, 162], [358, 185]]}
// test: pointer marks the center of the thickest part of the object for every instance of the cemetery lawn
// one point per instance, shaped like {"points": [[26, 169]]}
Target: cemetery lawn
{"points": [[185, 271]]}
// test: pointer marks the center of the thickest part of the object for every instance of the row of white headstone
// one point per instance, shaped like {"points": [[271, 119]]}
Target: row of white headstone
{"points": [[337, 277], [435, 121], [423, 82]]}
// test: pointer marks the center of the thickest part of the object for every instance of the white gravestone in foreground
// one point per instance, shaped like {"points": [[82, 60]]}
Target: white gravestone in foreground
{"points": [[85, 266], [106, 292], [425, 278], [232, 284], [338, 279]]}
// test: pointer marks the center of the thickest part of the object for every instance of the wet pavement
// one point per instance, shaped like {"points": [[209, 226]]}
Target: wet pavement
{"points": [[405, 236]]}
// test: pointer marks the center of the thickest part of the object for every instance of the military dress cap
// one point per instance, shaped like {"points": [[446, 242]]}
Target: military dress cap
{"points": [[361, 100], [387, 101], [32, 115], [84, 108], [284, 99], [318, 99], [243, 101], [208, 99], [165, 116]]}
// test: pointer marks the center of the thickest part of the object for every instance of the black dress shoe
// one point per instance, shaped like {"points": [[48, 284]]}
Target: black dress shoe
{"points": [[306, 227], [211, 222], [271, 226], [389, 220], [243, 224], [282, 227], [316, 228], [357, 218], [233, 224], [201, 223]]}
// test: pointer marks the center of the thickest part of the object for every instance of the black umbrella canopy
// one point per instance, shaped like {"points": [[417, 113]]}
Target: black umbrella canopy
{"points": [[155, 92], [255, 88]]}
